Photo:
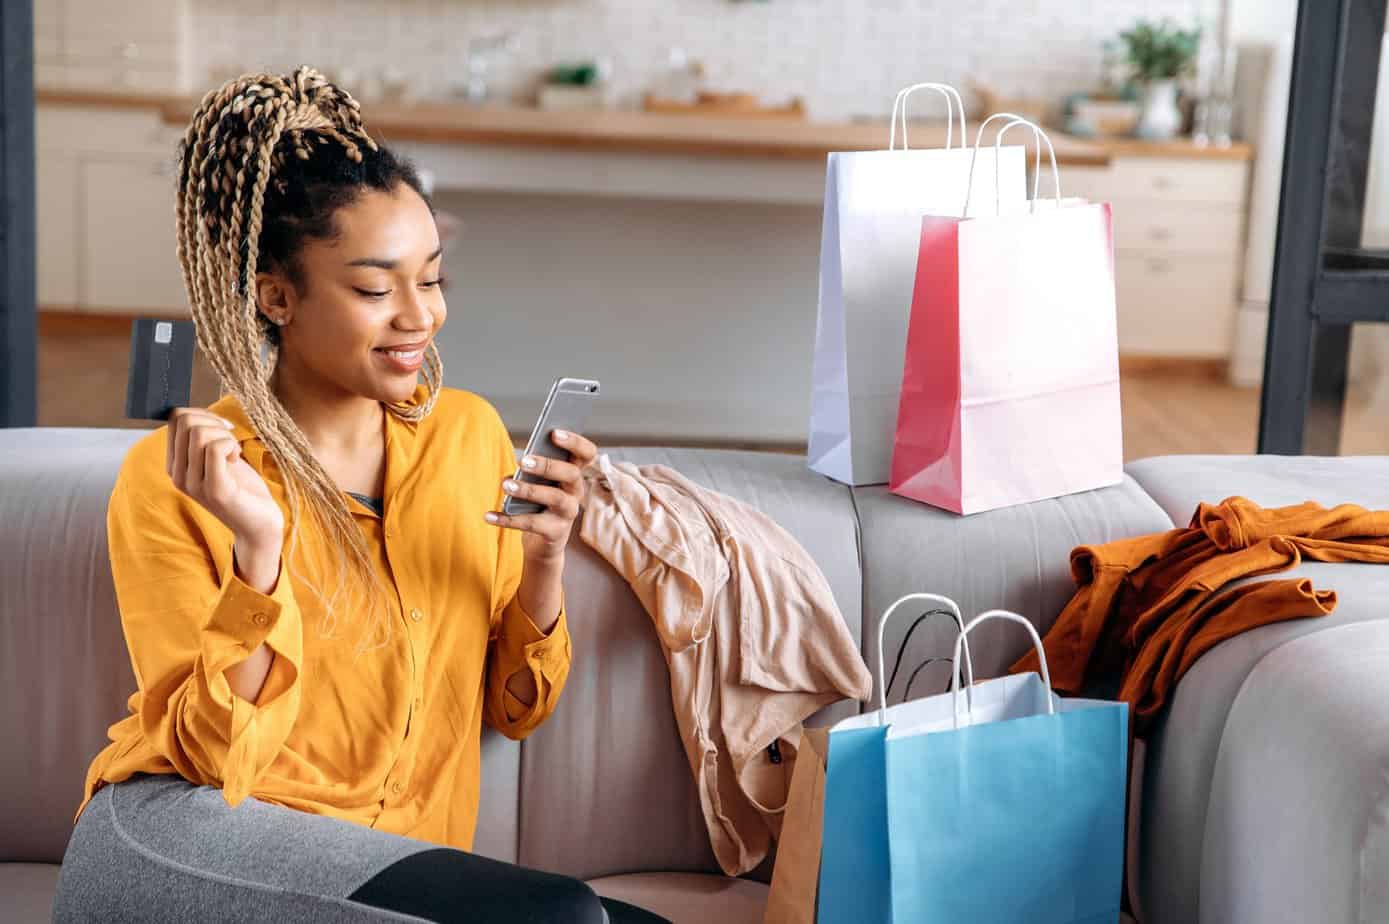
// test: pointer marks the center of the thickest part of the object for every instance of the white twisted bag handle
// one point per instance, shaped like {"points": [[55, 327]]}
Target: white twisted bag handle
{"points": [[953, 105], [1039, 136], [945, 607], [1036, 643]]}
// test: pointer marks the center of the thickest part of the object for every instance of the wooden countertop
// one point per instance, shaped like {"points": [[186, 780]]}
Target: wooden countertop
{"points": [[645, 132]]}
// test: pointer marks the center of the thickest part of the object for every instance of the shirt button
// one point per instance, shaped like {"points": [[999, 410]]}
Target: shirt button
{"points": [[416, 615], [397, 787], [260, 619]]}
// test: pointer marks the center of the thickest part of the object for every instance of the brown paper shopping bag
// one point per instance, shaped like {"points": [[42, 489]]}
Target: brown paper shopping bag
{"points": [[797, 872]]}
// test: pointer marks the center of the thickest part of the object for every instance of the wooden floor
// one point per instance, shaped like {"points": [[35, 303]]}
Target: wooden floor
{"points": [[1167, 409]]}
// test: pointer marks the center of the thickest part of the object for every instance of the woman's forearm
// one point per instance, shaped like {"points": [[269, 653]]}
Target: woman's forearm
{"points": [[258, 565], [541, 591]]}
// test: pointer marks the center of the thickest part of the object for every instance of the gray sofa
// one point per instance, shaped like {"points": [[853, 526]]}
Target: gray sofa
{"points": [[1264, 797]]}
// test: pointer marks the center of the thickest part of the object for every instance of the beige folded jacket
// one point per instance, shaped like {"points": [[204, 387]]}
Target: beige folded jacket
{"points": [[752, 635]]}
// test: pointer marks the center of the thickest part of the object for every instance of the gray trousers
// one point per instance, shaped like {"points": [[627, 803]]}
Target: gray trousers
{"points": [[158, 848]]}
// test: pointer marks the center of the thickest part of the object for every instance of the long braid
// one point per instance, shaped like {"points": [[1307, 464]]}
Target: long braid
{"points": [[237, 147]]}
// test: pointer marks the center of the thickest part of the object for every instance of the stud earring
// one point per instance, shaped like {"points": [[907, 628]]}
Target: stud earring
{"points": [[279, 322]]}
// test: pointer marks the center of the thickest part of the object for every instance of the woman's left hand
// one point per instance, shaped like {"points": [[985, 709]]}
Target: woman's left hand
{"points": [[545, 534]]}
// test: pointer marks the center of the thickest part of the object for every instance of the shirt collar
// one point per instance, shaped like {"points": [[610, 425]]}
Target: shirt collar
{"points": [[400, 438]]}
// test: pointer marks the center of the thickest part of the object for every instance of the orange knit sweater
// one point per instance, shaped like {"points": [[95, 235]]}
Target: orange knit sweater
{"points": [[1146, 608]]}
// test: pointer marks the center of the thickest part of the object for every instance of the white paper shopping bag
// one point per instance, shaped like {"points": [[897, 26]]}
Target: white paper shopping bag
{"points": [[874, 203]]}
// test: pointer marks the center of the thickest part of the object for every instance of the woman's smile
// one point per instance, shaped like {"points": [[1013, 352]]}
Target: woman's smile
{"points": [[403, 357]]}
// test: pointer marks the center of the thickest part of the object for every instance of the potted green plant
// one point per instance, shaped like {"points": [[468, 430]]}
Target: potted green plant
{"points": [[1158, 54]]}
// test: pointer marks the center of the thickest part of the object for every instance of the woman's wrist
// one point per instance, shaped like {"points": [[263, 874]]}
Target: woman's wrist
{"points": [[542, 590], [258, 561]]}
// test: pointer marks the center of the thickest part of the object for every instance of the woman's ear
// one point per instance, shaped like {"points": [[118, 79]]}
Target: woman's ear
{"points": [[275, 298]]}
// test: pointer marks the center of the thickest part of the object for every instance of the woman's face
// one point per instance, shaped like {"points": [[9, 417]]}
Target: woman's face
{"points": [[368, 302]]}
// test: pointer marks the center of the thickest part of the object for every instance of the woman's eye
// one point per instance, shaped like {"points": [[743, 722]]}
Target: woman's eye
{"points": [[369, 293], [433, 283]]}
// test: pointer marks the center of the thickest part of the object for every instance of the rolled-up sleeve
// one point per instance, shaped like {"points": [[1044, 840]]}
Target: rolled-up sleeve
{"points": [[520, 646], [187, 618]]}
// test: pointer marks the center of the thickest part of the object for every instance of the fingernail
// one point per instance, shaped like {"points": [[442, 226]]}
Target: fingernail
{"points": [[490, 518], [227, 423], [528, 462], [561, 435], [508, 486]]}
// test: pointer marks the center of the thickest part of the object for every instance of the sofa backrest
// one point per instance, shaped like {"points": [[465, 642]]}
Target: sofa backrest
{"points": [[64, 670]]}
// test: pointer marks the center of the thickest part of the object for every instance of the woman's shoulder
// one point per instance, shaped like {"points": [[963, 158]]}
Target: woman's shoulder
{"points": [[464, 429], [147, 457], [456, 409], [143, 479]]}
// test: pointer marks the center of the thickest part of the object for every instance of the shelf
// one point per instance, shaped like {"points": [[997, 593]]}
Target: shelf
{"points": [[1347, 296]]}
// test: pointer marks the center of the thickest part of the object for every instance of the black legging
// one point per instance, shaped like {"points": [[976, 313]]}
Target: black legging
{"points": [[452, 887]]}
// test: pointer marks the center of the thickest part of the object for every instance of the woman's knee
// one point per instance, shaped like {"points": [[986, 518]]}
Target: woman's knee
{"points": [[562, 898]]}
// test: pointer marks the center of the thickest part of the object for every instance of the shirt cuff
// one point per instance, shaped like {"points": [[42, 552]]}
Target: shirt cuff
{"points": [[243, 617], [522, 642]]}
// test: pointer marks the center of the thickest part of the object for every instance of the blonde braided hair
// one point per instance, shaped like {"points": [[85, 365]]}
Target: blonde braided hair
{"points": [[249, 141]]}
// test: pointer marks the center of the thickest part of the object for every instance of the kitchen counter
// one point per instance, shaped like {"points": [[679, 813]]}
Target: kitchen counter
{"points": [[636, 132]]}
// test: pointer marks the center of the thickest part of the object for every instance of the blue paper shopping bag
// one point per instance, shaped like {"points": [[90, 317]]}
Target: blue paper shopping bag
{"points": [[1006, 806]]}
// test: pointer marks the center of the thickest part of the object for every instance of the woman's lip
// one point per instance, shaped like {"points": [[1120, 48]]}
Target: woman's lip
{"points": [[406, 347], [402, 364]]}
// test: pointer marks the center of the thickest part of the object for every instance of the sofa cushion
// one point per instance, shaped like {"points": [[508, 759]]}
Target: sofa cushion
{"points": [[606, 785], [1016, 558], [1179, 483], [28, 890], [1182, 751], [688, 898]]}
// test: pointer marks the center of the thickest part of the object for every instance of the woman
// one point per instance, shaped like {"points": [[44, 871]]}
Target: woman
{"points": [[321, 602]]}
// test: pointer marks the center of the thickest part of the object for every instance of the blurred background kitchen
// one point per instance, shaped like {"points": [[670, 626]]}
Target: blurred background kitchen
{"points": [[631, 190]]}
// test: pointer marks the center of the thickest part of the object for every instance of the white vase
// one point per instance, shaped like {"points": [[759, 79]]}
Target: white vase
{"points": [[1161, 118]]}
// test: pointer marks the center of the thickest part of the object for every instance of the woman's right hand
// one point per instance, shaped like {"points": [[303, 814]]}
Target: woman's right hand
{"points": [[204, 461]]}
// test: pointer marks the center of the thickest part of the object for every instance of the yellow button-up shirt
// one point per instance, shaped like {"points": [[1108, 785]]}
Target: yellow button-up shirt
{"points": [[388, 738]]}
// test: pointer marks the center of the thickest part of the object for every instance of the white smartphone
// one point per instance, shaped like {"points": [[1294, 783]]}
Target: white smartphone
{"points": [[567, 408]]}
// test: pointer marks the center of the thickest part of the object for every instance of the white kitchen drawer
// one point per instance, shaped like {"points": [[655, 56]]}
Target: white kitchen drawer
{"points": [[1163, 179], [1214, 230], [1180, 180], [1093, 183], [1176, 304]]}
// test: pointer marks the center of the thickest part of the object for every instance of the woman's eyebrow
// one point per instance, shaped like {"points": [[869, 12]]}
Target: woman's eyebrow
{"points": [[382, 263]]}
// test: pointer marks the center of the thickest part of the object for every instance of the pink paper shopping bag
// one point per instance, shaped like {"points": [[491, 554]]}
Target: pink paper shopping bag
{"points": [[1010, 387]]}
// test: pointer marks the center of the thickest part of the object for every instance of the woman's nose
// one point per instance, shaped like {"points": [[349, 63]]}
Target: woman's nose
{"points": [[415, 312]]}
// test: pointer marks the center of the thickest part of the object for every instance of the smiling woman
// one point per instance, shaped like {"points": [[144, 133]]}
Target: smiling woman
{"points": [[269, 768]]}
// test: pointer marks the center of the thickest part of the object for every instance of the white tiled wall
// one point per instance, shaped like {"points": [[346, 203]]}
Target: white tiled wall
{"points": [[131, 44], [845, 57]]}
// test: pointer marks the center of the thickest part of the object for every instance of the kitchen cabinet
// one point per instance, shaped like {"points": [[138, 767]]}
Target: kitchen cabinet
{"points": [[129, 261], [1179, 227], [105, 197], [57, 215]]}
